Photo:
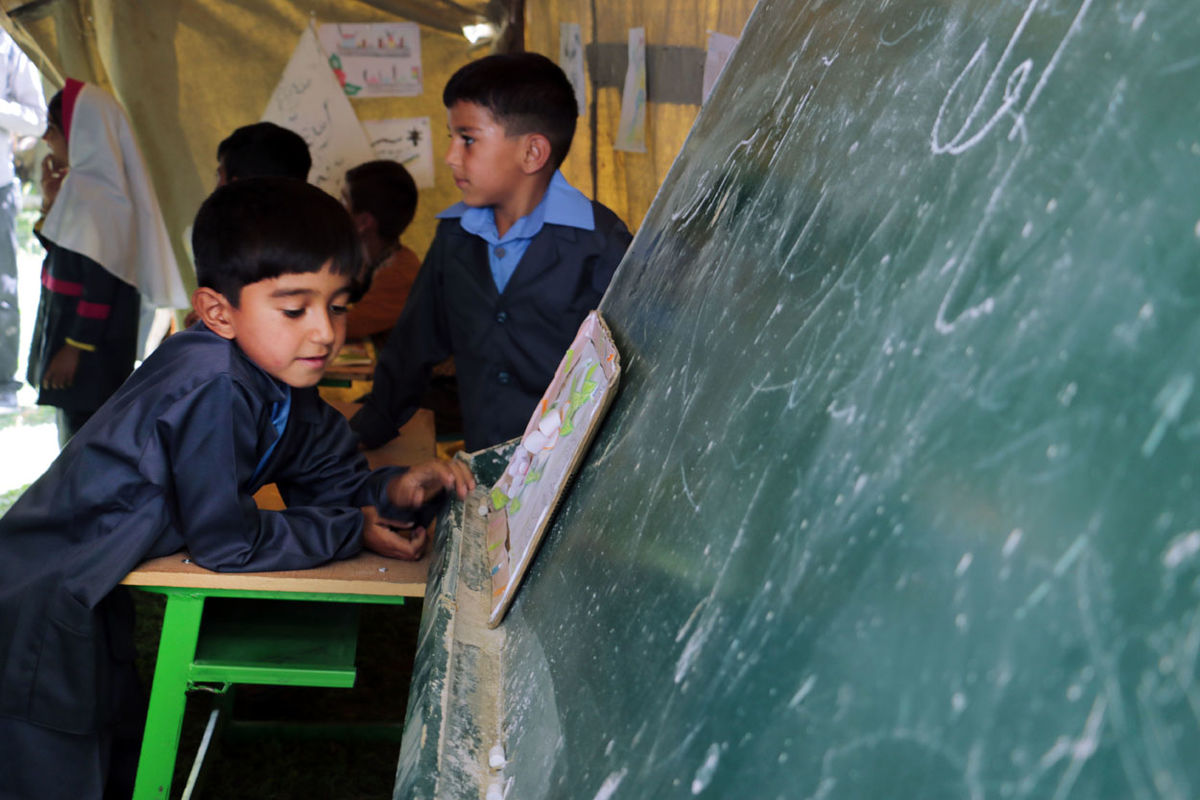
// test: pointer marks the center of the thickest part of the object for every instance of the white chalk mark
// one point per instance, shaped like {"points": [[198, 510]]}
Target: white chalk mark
{"points": [[704, 774], [1181, 549], [846, 415], [687, 491], [1012, 542], [1170, 402], [973, 131], [927, 19], [609, 787], [1181, 66], [803, 691], [1082, 749], [1060, 567], [963, 139], [964, 564]]}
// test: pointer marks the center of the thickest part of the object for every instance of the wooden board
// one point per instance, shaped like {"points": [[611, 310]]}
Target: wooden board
{"points": [[522, 501]]}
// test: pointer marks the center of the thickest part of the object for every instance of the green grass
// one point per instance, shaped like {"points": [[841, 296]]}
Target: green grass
{"points": [[28, 415], [311, 768]]}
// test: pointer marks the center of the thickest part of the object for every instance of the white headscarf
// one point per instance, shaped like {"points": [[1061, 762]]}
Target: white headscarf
{"points": [[106, 208]]}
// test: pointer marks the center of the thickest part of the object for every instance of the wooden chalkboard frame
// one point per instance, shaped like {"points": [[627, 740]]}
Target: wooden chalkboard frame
{"points": [[552, 447]]}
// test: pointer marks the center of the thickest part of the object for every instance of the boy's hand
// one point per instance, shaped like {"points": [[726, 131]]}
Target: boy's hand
{"points": [[60, 372], [425, 480], [392, 539]]}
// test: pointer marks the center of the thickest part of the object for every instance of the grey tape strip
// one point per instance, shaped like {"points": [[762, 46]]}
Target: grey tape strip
{"points": [[673, 74]]}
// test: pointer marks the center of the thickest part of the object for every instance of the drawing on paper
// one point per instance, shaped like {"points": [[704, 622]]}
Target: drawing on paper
{"points": [[375, 59], [523, 500]]}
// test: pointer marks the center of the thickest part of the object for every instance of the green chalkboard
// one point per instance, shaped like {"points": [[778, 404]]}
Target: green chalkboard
{"points": [[901, 494]]}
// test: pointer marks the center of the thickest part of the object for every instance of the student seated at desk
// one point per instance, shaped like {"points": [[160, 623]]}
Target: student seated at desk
{"points": [[382, 198], [513, 269], [171, 461]]}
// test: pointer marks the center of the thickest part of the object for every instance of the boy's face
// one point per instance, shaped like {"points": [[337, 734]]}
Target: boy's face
{"points": [[293, 325], [485, 160]]}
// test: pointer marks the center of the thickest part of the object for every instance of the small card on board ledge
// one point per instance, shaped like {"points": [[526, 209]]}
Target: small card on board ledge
{"points": [[521, 504]]}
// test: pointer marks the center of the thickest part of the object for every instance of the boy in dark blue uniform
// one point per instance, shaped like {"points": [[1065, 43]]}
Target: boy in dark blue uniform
{"points": [[513, 269], [171, 461]]}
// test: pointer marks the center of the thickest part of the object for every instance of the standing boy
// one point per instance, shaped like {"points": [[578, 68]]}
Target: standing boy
{"points": [[513, 269], [172, 460]]}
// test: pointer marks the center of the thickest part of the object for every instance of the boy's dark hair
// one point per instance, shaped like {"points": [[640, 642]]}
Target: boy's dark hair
{"points": [[525, 92], [386, 191], [54, 110], [260, 228], [264, 149]]}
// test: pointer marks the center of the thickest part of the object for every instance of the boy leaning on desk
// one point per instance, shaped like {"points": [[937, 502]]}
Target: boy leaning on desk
{"points": [[172, 461]]}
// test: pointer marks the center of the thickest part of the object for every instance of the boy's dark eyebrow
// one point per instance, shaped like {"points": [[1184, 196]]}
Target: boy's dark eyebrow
{"points": [[305, 292]]}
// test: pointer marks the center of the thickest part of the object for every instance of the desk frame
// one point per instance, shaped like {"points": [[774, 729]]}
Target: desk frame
{"points": [[366, 578], [175, 672]]}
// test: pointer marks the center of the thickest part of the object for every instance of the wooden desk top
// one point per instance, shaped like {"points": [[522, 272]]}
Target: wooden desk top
{"points": [[366, 573]]}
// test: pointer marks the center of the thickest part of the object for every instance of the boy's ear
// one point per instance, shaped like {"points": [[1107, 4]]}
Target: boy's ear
{"points": [[364, 222], [215, 311], [536, 153]]}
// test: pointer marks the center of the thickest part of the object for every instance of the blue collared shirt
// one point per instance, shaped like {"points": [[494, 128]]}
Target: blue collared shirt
{"points": [[562, 204], [279, 419]]}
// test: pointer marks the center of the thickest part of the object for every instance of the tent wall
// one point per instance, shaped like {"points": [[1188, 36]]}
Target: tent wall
{"points": [[676, 40], [190, 71]]}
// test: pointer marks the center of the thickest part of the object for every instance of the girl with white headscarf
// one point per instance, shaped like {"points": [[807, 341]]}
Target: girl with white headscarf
{"points": [[106, 246]]}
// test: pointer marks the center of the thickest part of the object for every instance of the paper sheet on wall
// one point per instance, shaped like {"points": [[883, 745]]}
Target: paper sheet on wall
{"points": [[407, 140], [631, 133], [570, 58], [309, 101], [720, 47], [380, 59]]}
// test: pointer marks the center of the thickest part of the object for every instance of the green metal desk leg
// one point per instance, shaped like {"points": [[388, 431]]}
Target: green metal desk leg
{"points": [[168, 695]]}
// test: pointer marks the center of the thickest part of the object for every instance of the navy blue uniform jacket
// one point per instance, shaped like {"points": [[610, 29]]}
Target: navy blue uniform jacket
{"points": [[166, 463], [505, 346]]}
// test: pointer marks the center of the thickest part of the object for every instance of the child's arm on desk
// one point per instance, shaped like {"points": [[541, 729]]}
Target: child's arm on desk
{"points": [[410, 491]]}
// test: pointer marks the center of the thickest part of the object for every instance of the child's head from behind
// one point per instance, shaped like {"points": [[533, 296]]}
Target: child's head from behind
{"points": [[384, 190], [275, 258], [524, 95], [263, 149]]}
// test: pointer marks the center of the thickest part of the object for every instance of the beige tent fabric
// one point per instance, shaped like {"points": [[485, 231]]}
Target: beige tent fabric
{"points": [[188, 72], [627, 182]]}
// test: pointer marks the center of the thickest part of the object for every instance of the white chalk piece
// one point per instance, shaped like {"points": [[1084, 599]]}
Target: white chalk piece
{"points": [[495, 792], [496, 758], [483, 509]]}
